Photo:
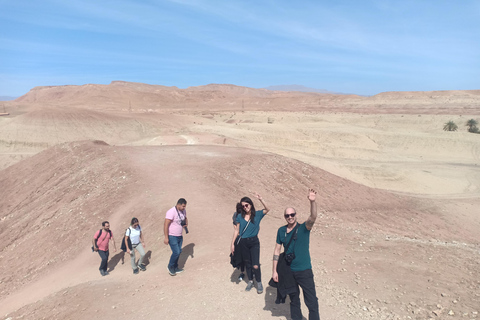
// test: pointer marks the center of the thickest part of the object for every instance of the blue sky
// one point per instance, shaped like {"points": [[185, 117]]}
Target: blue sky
{"points": [[364, 47]]}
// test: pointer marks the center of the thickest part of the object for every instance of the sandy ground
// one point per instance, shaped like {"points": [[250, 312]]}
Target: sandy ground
{"points": [[397, 237]]}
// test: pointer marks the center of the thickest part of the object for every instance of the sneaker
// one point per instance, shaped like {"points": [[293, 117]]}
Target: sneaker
{"points": [[106, 273], [102, 273], [135, 271], [259, 287], [142, 267], [241, 276], [249, 286], [179, 270], [171, 271]]}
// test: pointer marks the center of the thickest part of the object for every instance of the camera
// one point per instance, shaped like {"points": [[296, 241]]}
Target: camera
{"points": [[183, 223], [289, 258]]}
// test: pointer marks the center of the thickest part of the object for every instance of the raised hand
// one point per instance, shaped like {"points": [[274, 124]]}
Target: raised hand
{"points": [[311, 195], [259, 197]]}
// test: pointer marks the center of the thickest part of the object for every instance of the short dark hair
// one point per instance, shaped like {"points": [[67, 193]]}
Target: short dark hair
{"points": [[134, 220], [181, 201], [104, 223]]}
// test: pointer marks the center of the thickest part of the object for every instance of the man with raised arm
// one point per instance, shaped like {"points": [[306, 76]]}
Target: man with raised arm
{"points": [[296, 265]]}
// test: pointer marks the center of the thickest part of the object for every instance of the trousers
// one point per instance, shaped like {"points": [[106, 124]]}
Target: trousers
{"points": [[141, 251], [304, 280]]}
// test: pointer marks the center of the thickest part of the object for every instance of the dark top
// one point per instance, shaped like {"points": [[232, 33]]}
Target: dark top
{"points": [[301, 246], [253, 226]]}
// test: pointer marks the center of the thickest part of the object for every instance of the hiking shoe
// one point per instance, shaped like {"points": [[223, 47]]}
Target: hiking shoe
{"points": [[179, 270], [135, 271], [142, 267], [171, 271], [259, 287], [249, 286], [102, 273], [241, 276], [106, 273]]}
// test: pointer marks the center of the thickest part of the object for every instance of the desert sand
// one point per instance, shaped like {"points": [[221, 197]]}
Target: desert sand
{"points": [[397, 237]]}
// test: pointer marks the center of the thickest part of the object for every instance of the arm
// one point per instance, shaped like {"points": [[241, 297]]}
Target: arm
{"points": [[236, 230], [265, 208], [94, 244], [126, 243], [166, 225], [141, 239], [276, 253], [313, 209]]}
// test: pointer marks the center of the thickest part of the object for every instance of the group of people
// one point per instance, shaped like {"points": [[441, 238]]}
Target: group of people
{"points": [[291, 270], [175, 222]]}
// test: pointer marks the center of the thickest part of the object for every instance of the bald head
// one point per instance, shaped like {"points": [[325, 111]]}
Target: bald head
{"points": [[290, 215]]}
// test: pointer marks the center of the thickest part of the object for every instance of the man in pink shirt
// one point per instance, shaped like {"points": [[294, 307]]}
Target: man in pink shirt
{"points": [[175, 221], [100, 243]]}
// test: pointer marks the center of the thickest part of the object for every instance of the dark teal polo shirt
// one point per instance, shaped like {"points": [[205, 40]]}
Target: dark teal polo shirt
{"points": [[301, 246]]}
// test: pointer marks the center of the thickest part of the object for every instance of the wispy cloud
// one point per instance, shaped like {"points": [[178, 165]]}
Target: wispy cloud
{"points": [[255, 39]]}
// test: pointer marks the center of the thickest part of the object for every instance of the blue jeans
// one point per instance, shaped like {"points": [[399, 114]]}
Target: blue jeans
{"points": [[175, 243]]}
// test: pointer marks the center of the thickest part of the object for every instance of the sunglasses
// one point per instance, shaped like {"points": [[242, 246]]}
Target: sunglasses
{"points": [[291, 215], [246, 205]]}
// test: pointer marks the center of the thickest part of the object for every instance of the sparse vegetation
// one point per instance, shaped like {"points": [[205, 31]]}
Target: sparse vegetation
{"points": [[450, 126], [472, 126]]}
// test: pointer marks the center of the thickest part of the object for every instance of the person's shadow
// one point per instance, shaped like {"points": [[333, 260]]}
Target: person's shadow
{"points": [[120, 256], [277, 310], [187, 251], [147, 257], [112, 263], [236, 274]]}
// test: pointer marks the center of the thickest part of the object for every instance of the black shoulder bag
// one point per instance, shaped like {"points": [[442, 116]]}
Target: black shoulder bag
{"points": [[122, 246]]}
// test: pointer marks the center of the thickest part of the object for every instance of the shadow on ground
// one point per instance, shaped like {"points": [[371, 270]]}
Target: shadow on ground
{"points": [[187, 251]]}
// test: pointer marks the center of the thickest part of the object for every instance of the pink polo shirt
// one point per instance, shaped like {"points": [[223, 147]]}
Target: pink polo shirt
{"points": [[175, 228], [102, 242]]}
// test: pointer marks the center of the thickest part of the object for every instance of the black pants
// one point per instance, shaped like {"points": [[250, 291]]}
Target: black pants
{"points": [[304, 279], [104, 256], [251, 248]]}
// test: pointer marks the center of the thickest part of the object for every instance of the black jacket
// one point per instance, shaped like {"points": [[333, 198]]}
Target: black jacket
{"points": [[237, 259], [286, 282]]}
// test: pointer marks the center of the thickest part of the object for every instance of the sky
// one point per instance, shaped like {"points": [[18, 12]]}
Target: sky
{"points": [[362, 47]]}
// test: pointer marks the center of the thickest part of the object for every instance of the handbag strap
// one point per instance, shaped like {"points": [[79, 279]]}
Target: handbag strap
{"points": [[294, 237], [106, 234], [184, 215], [240, 237], [100, 234]]}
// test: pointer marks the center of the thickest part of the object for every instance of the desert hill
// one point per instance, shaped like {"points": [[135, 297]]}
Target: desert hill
{"points": [[397, 237], [54, 201], [394, 140], [120, 95]]}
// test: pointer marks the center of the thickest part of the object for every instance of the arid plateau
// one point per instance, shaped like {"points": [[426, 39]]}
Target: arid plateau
{"points": [[397, 236]]}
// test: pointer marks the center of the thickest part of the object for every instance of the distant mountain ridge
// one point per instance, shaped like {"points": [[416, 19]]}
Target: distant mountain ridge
{"points": [[299, 88], [7, 98], [140, 97]]}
